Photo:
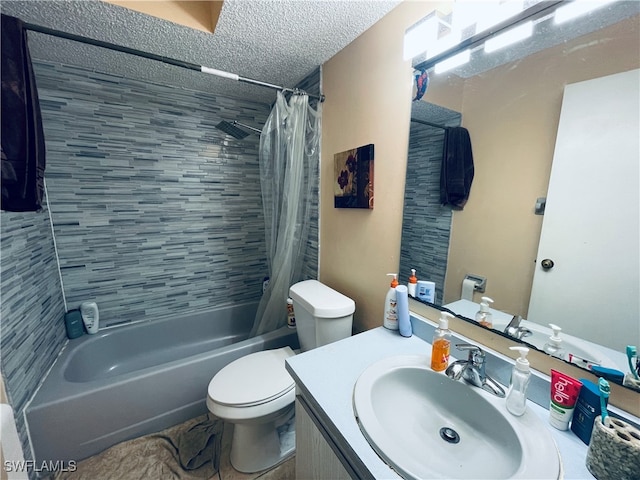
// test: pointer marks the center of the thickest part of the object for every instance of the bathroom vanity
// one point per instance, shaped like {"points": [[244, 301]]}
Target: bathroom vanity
{"points": [[329, 441]]}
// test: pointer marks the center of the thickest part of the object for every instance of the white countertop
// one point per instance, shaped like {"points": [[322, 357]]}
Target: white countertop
{"points": [[325, 377]]}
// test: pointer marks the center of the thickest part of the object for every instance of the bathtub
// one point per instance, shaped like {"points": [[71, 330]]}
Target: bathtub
{"points": [[129, 381]]}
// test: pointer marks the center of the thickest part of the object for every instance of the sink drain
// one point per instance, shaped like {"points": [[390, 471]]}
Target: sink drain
{"points": [[449, 435]]}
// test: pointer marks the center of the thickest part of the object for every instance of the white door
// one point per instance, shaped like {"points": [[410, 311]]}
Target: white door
{"points": [[591, 227]]}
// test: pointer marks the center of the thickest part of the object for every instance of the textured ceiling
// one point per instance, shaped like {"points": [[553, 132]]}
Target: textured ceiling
{"points": [[274, 41]]}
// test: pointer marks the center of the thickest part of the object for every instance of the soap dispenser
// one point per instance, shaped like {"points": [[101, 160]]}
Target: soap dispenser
{"points": [[484, 316], [390, 304], [441, 344], [554, 345], [520, 376], [413, 283]]}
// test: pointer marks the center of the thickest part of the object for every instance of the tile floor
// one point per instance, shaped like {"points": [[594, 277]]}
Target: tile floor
{"points": [[150, 458]]}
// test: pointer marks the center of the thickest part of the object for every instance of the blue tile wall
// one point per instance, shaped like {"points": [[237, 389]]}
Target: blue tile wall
{"points": [[426, 225], [32, 312]]}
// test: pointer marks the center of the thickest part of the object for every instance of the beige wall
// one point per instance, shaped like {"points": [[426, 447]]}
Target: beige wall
{"points": [[368, 89], [201, 15]]}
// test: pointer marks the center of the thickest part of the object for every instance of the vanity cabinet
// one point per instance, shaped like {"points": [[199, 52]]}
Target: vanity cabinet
{"points": [[316, 456]]}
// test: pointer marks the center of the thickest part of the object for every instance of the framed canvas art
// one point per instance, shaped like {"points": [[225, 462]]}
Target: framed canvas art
{"points": [[353, 180]]}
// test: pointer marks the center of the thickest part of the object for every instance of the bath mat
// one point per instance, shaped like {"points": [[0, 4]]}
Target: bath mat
{"points": [[182, 452]]}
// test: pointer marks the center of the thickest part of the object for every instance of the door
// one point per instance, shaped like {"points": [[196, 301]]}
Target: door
{"points": [[590, 230]]}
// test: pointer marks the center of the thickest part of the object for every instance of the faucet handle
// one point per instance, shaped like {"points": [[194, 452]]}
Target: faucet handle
{"points": [[476, 354]]}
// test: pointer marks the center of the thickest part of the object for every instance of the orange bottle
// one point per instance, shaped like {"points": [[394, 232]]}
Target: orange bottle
{"points": [[441, 344]]}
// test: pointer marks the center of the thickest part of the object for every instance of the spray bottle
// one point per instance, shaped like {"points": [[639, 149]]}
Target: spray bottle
{"points": [[390, 305]]}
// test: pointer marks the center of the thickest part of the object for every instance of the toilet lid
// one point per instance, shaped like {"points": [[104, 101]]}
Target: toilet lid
{"points": [[253, 379]]}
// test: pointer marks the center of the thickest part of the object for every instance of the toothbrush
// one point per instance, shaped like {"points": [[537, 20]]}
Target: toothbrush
{"points": [[604, 394], [632, 351]]}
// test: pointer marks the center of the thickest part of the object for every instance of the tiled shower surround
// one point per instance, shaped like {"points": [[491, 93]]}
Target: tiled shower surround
{"points": [[155, 213], [426, 225]]}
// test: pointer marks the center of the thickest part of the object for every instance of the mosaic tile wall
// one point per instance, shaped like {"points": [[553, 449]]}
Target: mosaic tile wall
{"points": [[156, 212], [32, 312], [426, 225]]}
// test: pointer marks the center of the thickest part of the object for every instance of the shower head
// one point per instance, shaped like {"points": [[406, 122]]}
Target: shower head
{"points": [[232, 130]]}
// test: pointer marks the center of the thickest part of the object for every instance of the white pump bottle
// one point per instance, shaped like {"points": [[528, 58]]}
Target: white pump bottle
{"points": [[554, 345], [484, 316], [520, 377]]}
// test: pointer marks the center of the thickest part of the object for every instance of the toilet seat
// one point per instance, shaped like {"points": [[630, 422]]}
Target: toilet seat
{"points": [[252, 380]]}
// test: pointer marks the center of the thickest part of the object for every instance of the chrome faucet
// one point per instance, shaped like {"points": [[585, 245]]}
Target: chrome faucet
{"points": [[473, 370], [515, 330]]}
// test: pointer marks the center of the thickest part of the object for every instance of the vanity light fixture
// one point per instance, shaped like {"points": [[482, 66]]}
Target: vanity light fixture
{"points": [[453, 62], [509, 37], [457, 40], [577, 8]]}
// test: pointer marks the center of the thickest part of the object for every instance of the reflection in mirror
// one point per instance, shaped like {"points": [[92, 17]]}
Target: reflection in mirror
{"points": [[512, 111]]}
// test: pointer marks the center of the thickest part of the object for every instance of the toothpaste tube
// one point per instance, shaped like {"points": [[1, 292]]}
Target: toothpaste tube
{"points": [[582, 362], [564, 394]]}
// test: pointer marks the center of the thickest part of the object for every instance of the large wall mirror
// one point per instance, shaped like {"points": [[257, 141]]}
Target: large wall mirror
{"points": [[512, 105]]}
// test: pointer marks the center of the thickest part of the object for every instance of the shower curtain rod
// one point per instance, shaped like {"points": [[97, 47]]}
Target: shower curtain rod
{"points": [[424, 122], [163, 59]]}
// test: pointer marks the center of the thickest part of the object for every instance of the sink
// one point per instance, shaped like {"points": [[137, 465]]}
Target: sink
{"points": [[425, 425]]}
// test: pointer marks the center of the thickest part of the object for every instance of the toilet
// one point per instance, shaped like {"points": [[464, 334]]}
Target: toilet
{"points": [[257, 394]]}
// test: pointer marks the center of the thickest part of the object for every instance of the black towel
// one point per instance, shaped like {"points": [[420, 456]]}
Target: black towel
{"points": [[457, 171], [23, 148]]}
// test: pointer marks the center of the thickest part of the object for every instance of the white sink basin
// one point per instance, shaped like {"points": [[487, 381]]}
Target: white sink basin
{"points": [[425, 425]]}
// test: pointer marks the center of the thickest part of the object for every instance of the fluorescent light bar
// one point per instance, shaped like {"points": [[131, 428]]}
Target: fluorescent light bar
{"points": [[509, 37], [453, 62], [577, 8]]}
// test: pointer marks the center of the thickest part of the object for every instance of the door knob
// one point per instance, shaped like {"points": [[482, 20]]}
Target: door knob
{"points": [[547, 264]]}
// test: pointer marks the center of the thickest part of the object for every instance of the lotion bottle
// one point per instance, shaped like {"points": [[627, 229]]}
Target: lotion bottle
{"points": [[413, 283], [390, 304], [484, 316], [90, 316], [520, 377], [441, 344]]}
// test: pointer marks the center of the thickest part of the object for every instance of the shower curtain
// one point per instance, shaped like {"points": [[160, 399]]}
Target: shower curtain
{"points": [[289, 153]]}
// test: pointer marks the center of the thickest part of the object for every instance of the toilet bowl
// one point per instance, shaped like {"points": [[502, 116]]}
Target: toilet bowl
{"points": [[256, 393]]}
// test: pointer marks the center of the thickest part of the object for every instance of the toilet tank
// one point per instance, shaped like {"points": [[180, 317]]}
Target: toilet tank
{"points": [[322, 314]]}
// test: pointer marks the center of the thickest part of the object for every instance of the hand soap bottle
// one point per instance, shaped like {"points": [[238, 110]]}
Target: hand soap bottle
{"points": [[484, 316], [520, 376], [390, 305], [441, 344], [413, 283], [554, 345]]}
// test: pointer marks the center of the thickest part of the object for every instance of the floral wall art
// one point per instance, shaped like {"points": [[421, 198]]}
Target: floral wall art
{"points": [[353, 185]]}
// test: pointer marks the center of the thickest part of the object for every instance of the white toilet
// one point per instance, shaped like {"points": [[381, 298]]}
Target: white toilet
{"points": [[256, 393]]}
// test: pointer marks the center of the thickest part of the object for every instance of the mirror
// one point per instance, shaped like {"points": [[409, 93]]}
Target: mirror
{"points": [[512, 111]]}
